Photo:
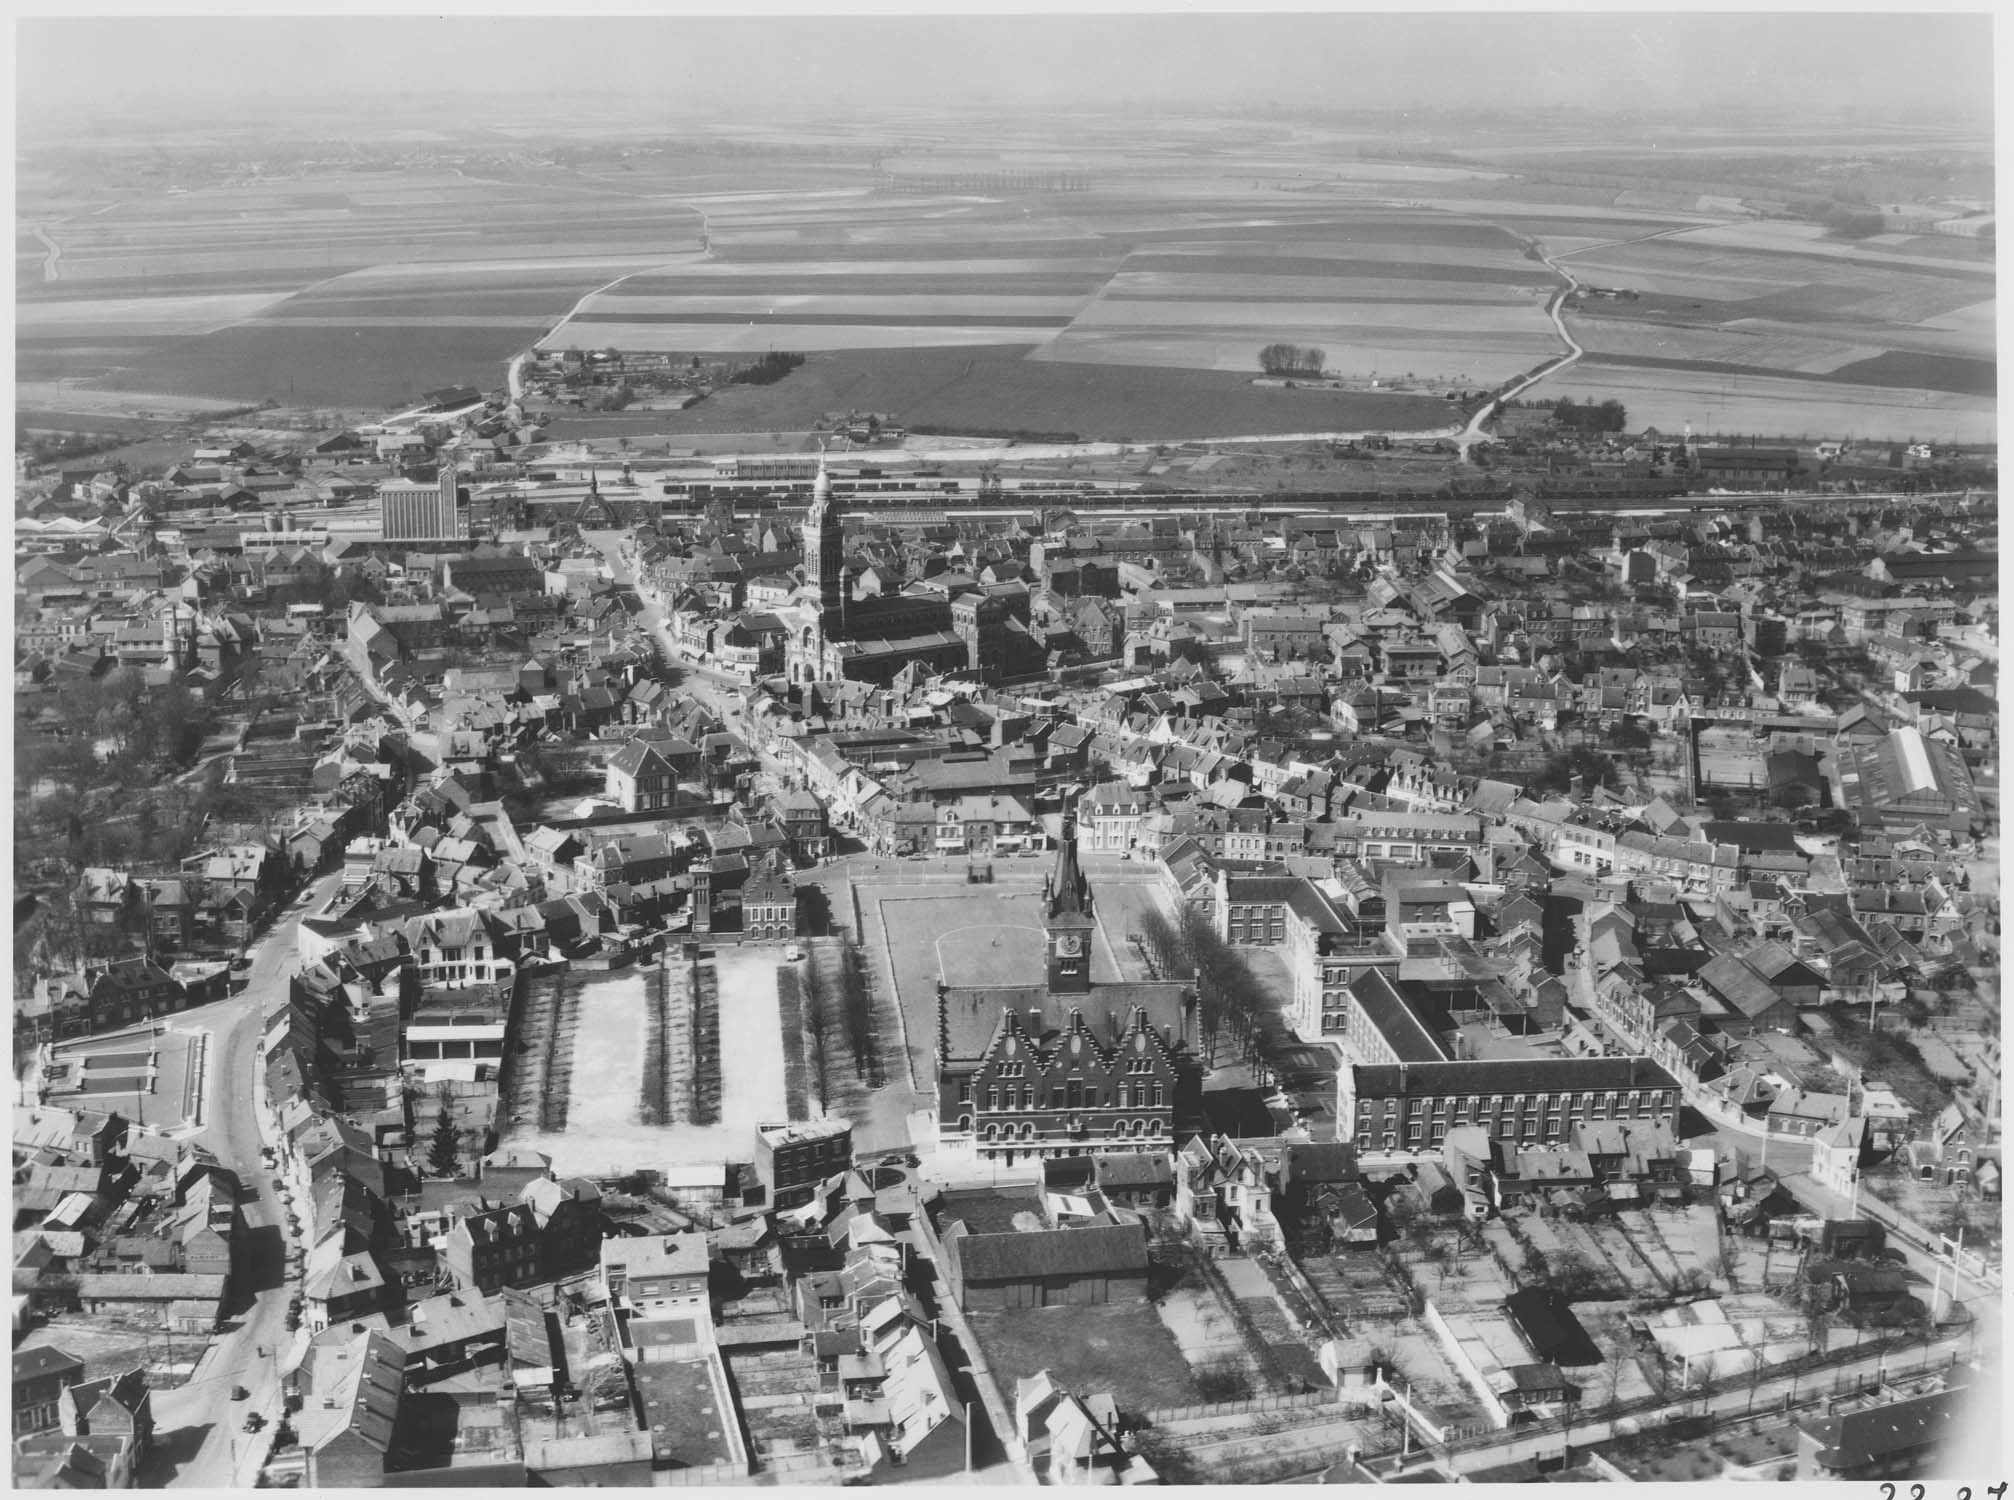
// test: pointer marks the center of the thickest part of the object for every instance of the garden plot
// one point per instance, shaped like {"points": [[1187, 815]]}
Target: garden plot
{"points": [[1547, 1236], [1609, 1243], [1620, 1376], [1207, 1334], [1121, 1347], [1423, 1368], [1691, 1238]]}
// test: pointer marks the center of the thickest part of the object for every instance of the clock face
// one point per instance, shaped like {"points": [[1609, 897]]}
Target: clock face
{"points": [[1069, 945]]}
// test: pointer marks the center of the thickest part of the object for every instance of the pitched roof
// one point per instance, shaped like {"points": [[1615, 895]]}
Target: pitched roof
{"points": [[1509, 1076], [1739, 985], [1049, 1252], [1860, 1437]]}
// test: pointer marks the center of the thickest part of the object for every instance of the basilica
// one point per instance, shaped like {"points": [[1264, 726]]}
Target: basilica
{"points": [[980, 630]]}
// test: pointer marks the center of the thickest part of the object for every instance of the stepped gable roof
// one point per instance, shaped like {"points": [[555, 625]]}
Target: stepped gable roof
{"points": [[971, 1014]]}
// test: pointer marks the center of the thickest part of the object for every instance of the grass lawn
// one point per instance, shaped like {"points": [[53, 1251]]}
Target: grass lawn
{"points": [[1121, 1347]]}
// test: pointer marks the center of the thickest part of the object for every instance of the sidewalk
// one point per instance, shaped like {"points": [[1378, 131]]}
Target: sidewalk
{"points": [[1837, 1205]]}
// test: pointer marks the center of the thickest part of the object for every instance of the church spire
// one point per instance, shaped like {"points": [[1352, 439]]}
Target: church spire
{"points": [[825, 539], [1071, 926], [1069, 891], [821, 485]]}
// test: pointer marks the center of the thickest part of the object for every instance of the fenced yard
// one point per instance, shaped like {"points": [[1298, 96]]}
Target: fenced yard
{"points": [[1121, 1347]]}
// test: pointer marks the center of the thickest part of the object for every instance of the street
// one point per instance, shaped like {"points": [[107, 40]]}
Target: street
{"points": [[199, 1437], [1736, 1399]]}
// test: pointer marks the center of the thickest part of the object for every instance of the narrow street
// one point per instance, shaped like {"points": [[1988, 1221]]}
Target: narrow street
{"points": [[200, 1437]]}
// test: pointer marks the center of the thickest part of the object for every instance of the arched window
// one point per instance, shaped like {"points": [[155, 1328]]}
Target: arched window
{"points": [[1154, 1129], [965, 1124], [992, 1132], [1028, 1130]]}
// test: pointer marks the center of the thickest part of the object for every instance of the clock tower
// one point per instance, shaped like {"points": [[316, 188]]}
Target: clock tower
{"points": [[1069, 919]]}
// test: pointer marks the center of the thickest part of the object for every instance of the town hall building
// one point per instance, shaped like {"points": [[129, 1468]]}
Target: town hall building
{"points": [[1072, 1065]]}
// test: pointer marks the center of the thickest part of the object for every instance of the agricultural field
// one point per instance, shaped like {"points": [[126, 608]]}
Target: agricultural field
{"points": [[1429, 299], [996, 388], [350, 291], [1113, 279], [1713, 402]]}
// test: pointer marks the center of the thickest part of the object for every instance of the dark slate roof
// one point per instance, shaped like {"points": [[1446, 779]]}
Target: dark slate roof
{"points": [[31, 1364], [1320, 1161], [1755, 838], [1547, 1323], [1131, 1169], [1861, 1437], [1511, 1075], [972, 1014], [1396, 1021], [1049, 1252]]}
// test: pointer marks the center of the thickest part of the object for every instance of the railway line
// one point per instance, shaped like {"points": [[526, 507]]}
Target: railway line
{"points": [[915, 507]]}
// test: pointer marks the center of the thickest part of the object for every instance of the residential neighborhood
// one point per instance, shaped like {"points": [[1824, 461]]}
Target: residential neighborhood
{"points": [[1574, 901]]}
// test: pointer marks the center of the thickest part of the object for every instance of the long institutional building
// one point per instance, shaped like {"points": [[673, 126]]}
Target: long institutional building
{"points": [[1399, 1089]]}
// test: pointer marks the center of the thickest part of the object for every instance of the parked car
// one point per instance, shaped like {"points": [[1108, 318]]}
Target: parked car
{"points": [[239, 1393], [254, 1422]]}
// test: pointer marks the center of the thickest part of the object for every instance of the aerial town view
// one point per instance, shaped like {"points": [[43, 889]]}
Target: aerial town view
{"points": [[1019, 750]]}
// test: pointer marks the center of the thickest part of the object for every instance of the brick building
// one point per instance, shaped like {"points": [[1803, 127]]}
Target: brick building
{"points": [[1412, 1106]]}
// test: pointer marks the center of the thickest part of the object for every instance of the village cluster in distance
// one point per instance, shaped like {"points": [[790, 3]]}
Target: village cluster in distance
{"points": [[559, 943]]}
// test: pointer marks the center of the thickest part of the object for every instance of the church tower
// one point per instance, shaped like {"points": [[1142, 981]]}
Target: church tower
{"points": [[823, 532], [1069, 921]]}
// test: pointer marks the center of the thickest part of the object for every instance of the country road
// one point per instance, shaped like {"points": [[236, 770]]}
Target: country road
{"points": [[53, 253], [1473, 433], [1555, 309], [514, 371]]}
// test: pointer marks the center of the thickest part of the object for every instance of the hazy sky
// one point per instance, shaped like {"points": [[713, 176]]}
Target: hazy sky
{"points": [[738, 66]]}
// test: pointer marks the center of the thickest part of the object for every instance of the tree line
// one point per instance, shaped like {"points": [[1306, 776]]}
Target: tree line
{"points": [[1293, 359], [767, 370], [1591, 417], [1187, 948]]}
